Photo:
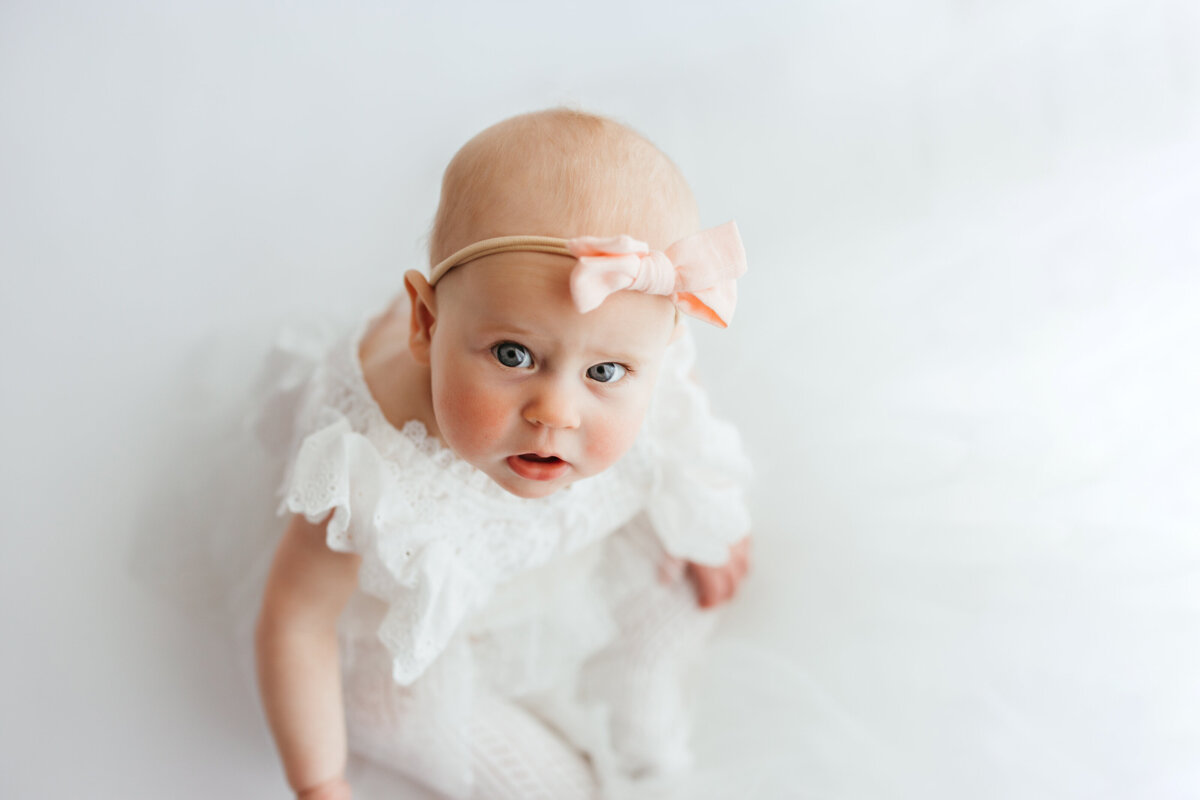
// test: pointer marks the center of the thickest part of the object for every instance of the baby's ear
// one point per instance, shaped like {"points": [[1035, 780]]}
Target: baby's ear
{"points": [[423, 318]]}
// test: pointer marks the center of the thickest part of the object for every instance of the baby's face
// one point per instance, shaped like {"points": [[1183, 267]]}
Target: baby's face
{"points": [[529, 390]]}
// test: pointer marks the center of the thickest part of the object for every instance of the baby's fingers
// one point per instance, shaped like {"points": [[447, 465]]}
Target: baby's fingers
{"points": [[714, 585], [714, 590]]}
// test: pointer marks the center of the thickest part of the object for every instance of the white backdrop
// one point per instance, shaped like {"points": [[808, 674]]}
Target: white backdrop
{"points": [[965, 361]]}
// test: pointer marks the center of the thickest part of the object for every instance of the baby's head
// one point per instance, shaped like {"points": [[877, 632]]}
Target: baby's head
{"points": [[525, 386], [561, 173]]}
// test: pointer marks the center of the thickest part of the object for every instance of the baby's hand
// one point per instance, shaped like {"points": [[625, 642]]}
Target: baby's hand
{"points": [[716, 585], [336, 789]]}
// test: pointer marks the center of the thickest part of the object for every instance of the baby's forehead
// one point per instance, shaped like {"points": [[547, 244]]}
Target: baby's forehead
{"points": [[532, 292], [513, 278]]}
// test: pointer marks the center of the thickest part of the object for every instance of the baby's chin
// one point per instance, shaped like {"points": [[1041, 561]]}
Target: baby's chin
{"points": [[533, 490]]}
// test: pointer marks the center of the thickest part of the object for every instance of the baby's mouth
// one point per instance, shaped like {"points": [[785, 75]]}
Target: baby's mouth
{"points": [[539, 459], [538, 468]]}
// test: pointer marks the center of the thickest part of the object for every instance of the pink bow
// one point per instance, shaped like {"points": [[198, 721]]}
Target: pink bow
{"points": [[697, 272]]}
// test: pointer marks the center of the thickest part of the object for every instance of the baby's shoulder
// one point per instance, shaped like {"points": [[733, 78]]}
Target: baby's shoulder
{"points": [[399, 384]]}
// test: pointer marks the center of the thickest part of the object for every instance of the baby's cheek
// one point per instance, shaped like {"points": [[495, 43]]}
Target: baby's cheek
{"points": [[472, 420], [612, 437]]}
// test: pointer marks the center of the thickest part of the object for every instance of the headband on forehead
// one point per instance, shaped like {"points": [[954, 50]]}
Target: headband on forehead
{"points": [[500, 244], [697, 272]]}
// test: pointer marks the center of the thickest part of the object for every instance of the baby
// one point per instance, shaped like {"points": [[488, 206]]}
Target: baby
{"points": [[510, 502]]}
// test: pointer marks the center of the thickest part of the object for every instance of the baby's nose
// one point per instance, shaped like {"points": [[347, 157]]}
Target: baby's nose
{"points": [[552, 405]]}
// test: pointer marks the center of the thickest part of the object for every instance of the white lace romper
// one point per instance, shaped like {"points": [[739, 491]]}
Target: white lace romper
{"points": [[465, 589]]}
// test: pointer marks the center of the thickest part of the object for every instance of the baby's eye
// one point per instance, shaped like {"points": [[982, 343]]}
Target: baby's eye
{"points": [[511, 354], [607, 372]]}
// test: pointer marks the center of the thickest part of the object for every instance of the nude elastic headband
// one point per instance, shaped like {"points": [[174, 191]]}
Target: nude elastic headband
{"points": [[500, 244], [698, 272]]}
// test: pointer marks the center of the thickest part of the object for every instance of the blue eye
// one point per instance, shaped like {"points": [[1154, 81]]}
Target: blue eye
{"points": [[511, 354], [608, 372]]}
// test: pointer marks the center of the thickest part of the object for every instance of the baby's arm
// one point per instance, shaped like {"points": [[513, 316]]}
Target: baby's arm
{"points": [[298, 663]]}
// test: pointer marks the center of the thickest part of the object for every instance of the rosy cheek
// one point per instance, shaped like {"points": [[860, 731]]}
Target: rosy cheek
{"points": [[472, 420], [610, 438]]}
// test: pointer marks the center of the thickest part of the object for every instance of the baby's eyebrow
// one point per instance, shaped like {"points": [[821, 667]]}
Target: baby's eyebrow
{"points": [[508, 329], [621, 356]]}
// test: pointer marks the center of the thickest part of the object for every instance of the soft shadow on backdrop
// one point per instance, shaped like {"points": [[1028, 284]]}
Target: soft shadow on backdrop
{"points": [[964, 361]]}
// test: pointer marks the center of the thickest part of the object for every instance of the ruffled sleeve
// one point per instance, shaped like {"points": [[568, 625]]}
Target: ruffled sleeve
{"points": [[319, 415], [697, 506], [428, 588]]}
